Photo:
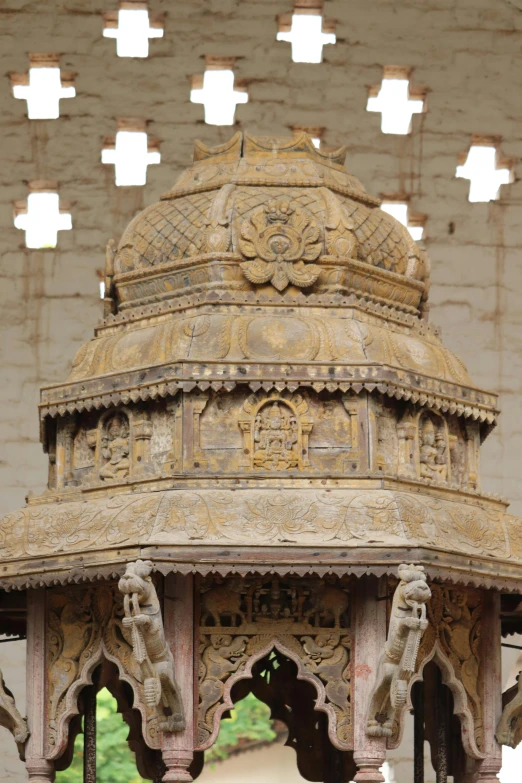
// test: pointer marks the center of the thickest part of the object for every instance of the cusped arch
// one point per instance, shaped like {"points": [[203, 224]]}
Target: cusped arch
{"points": [[460, 701], [84, 679], [321, 704]]}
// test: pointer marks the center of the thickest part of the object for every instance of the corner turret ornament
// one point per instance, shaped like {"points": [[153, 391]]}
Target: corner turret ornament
{"points": [[263, 433]]}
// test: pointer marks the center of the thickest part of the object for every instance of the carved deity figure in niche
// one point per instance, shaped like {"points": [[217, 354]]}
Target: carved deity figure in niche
{"points": [[433, 451], [115, 449], [276, 438]]}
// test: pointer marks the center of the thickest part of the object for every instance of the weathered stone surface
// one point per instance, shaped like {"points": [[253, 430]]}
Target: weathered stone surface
{"points": [[49, 298]]}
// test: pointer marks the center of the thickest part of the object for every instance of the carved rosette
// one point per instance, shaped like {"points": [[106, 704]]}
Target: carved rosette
{"points": [[281, 239], [245, 620]]}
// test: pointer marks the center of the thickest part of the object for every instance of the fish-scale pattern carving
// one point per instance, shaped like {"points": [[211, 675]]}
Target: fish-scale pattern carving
{"points": [[382, 241], [172, 229], [249, 199], [164, 232]]}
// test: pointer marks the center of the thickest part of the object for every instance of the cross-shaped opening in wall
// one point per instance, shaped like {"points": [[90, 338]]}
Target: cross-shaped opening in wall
{"points": [[132, 26], [43, 86], [399, 209], [396, 100], [484, 168], [307, 30], [42, 215], [130, 151], [218, 91]]}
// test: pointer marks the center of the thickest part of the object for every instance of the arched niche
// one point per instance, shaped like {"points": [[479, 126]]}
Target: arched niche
{"points": [[276, 678], [459, 699], [85, 632], [148, 761]]}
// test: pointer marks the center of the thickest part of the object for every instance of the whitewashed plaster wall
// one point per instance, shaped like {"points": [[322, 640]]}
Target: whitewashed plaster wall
{"points": [[465, 52]]}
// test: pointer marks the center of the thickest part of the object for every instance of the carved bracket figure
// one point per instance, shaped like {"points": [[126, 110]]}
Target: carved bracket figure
{"points": [[397, 662], [10, 718], [144, 624], [509, 729]]}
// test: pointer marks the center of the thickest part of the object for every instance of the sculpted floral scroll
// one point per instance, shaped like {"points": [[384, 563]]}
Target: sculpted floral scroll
{"points": [[261, 517], [244, 620]]}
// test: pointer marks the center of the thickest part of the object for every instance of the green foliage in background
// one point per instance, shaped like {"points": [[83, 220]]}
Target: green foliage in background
{"points": [[249, 721], [115, 760]]}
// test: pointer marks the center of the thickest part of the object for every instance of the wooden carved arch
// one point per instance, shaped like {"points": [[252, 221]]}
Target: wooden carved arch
{"points": [[106, 674], [338, 719], [84, 630], [460, 701], [71, 707]]}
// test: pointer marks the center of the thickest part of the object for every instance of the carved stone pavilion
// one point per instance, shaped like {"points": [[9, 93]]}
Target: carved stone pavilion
{"points": [[264, 477]]}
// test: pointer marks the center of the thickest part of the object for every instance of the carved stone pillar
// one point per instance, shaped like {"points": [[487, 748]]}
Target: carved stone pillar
{"points": [[142, 434], [407, 432], [178, 747], [492, 688], [351, 407], [175, 414], [194, 456], [64, 449], [472, 454], [370, 636], [39, 769]]}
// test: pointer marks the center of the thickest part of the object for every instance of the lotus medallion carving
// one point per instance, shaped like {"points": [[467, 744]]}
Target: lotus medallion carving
{"points": [[280, 240]]}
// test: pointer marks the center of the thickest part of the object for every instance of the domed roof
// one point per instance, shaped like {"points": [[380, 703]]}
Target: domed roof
{"points": [[267, 263], [271, 212]]}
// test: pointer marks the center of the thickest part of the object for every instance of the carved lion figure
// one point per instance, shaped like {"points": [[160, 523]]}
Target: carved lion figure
{"points": [[144, 622], [509, 729], [397, 661], [10, 718]]}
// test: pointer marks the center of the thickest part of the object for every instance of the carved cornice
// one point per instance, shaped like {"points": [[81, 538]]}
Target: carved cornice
{"points": [[166, 380], [302, 529]]}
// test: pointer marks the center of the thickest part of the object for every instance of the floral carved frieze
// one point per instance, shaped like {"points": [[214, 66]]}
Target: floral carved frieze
{"points": [[262, 517], [280, 240], [243, 620]]}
